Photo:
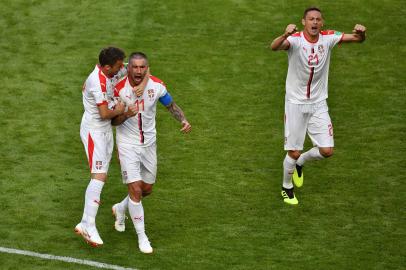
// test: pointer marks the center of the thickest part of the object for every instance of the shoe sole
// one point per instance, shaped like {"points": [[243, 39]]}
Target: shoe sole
{"points": [[294, 203], [92, 244]]}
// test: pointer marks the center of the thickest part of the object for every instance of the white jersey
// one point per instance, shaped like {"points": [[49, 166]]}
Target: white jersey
{"points": [[307, 79], [97, 90], [139, 129]]}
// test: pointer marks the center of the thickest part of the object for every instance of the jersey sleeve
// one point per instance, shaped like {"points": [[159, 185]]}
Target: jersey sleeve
{"points": [[294, 41], [333, 37], [98, 95], [164, 97]]}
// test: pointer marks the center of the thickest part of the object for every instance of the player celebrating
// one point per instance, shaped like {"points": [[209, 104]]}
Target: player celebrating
{"points": [[136, 140], [96, 134], [306, 93]]}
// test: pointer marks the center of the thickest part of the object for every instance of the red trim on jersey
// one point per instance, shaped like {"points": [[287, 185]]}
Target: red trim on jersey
{"points": [[119, 86], [309, 82], [90, 149], [155, 79], [327, 32], [140, 128], [310, 40], [103, 103], [103, 81]]}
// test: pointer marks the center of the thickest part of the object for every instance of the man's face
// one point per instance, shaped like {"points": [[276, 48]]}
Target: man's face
{"points": [[113, 70], [313, 22], [137, 69]]}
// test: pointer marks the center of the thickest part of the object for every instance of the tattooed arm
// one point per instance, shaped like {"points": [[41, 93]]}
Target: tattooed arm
{"points": [[178, 114]]}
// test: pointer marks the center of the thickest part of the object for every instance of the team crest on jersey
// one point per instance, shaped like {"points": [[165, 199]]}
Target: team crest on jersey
{"points": [[151, 94], [99, 164], [321, 49]]}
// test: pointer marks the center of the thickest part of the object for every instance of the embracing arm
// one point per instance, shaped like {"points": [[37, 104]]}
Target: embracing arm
{"points": [[358, 34], [118, 120], [178, 114], [106, 113]]}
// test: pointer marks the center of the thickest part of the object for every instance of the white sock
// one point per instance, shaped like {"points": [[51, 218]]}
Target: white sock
{"points": [[137, 216], [123, 205], [312, 154], [288, 168], [92, 202]]}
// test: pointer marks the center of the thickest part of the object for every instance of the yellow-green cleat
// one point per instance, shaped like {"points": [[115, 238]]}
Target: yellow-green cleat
{"points": [[289, 196], [298, 176]]}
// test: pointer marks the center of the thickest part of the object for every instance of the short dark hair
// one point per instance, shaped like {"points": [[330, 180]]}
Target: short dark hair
{"points": [[310, 9], [110, 56], [138, 55]]}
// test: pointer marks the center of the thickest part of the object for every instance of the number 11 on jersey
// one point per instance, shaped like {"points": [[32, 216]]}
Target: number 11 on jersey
{"points": [[139, 105]]}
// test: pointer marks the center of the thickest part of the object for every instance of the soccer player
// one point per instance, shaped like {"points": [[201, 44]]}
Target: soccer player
{"points": [[96, 134], [136, 140], [306, 108]]}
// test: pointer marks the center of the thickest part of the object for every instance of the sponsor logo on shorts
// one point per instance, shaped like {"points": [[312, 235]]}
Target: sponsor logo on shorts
{"points": [[125, 176]]}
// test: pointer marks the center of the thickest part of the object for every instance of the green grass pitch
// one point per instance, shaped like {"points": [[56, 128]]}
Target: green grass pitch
{"points": [[216, 204]]}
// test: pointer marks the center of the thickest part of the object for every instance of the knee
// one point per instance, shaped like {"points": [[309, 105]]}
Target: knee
{"points": [[99, 176], [294, 154], [135, 191], [146, 191], [326, 151]]}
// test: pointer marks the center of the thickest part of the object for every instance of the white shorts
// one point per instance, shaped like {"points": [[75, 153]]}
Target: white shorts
{"points": [[311, 118], [137, 163], [99, 147]]}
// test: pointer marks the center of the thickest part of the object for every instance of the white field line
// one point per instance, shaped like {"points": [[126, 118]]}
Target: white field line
{"points": [[63, 259]]}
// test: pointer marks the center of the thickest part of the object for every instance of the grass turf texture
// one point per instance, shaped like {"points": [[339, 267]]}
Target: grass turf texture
{"points": [[217, 201]]}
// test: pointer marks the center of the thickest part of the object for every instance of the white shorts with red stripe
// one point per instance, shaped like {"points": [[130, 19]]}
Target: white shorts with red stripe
{"points": [[137, 163], [99, 147], [311, 118]]}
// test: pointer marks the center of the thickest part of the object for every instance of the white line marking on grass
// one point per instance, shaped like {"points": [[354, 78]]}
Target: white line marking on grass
{"points": [[63, 259]]}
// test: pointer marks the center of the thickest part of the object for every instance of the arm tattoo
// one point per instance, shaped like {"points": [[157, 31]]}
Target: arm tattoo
{"points": [[176, 112]]}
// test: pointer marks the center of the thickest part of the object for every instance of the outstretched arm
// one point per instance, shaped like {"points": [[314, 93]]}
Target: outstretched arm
{"points": [[280, 43], [178, 114], [358, 34]]}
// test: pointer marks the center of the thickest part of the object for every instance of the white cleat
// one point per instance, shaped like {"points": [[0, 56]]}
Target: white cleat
{"points": [[119, 223], [145, 246], [91, 235]]}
